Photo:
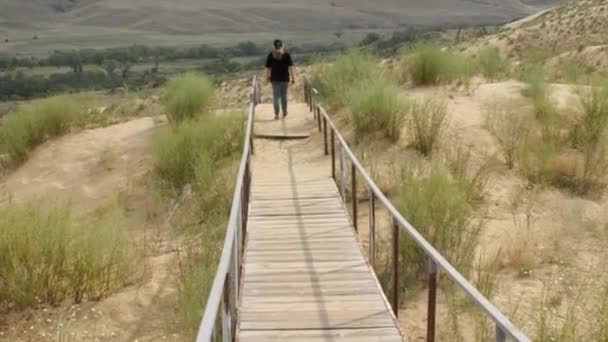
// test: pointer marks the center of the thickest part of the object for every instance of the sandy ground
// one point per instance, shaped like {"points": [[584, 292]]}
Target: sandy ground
{"points": [[90, 170]]}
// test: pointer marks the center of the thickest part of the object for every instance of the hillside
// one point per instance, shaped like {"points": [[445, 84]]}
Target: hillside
{"points": [[573, 32], [89, 23]]}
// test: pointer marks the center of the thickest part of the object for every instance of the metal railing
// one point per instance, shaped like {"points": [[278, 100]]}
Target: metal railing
{"points": [[224, 292], [504, 327]]}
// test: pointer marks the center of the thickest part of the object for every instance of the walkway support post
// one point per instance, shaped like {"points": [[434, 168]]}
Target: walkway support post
{"points": [[325, 135], [353, 175], [319, 117], [500, 334], [333, 155], [342, 173], [372, 228], [395, 299], [432, 303]]}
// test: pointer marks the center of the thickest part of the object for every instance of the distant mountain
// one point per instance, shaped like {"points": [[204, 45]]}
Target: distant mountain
{"points": [[63, 19]]}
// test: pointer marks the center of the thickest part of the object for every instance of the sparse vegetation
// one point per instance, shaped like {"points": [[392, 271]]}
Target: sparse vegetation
{"points": [[509, 129], [196, 153], [377, 107], [439, 208], [492, 64], [187, 97], [47, 257], [428, 64], [590, 137], [348, 72], [29, 127], [181, 150], [426, 123], [537, 91]]}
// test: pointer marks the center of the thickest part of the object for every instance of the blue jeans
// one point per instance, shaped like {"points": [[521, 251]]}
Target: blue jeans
{"points": [[279, 96]]}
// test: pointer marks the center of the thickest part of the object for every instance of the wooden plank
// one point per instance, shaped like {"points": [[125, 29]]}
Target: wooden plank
{"points": [[340, 319], [352, 335], [355, 299]]}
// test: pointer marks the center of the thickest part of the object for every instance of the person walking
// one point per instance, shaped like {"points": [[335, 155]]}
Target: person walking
{"points": [[279, 71]]}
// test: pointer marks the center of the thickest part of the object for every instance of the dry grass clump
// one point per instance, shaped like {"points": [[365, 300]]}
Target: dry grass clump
{"points": [[426, 123], [187, 97], [377, 107], [348, 72], [429, 64], [47, 257], [33, 124], [438, 205], [509, 128]]}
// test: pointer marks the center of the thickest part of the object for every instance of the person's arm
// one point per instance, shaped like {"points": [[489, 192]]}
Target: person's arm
{"points": [[292, 70], [268, 68]]}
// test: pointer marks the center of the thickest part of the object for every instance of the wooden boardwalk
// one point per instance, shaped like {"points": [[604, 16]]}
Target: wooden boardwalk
{"points": [[304, 275]]}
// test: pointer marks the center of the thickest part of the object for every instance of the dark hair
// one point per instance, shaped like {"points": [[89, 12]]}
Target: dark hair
{"points": [[278, 44]]}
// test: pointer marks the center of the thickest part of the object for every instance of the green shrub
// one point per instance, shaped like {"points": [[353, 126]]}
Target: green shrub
{"points": [[377, 107], [539, 156], [439, 208], [491, 63], [537, 91], [335, 81], [198, 263], [180, 150], [428, 64], [426, 123], [22, 131], [510, 130], [590, 135], [187, 97], [46, 256]]}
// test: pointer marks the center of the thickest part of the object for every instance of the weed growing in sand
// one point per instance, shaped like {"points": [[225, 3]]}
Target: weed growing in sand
{"points": [[601, 316], [349, 71], [187, 97], [182, 148], [509, 129], [428, 64], [46, 257], [30, 126], [439, 207], [377, 107], [198, 257], [537, 91], [491, 63], [473, 179], [485, 274], [426, 123], [589, 136]]}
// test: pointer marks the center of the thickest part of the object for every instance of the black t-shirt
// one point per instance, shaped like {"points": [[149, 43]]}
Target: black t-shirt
{"points": [[279, 68]]}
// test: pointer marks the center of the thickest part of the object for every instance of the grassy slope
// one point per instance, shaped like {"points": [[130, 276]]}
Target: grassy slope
{"points": [[112, 22]]}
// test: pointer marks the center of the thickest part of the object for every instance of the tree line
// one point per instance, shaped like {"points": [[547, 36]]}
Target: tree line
{"points": [[142, 53]]}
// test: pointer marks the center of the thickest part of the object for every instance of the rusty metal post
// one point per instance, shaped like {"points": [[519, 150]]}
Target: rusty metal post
{"points": [[395, 299], [432, 303], [319, 116], [372, 228], [251, 146], [500, 334], [333, 156], [325, 135], [353, 175], [226, 319], [342, 173]]}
